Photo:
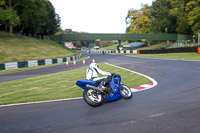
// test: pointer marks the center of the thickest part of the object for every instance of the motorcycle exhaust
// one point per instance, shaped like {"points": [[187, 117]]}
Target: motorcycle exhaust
{"points": [[94, 88]]}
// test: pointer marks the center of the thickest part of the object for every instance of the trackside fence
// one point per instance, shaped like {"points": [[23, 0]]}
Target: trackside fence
{"points": [[170, 50], [153, 51], [31, 63]]}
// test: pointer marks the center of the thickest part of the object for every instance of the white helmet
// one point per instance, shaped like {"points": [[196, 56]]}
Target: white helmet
{"points": [[94, 65]]}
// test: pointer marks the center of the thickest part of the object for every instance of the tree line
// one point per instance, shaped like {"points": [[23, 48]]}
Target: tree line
{"points": [[165, 16], [32, 17]]}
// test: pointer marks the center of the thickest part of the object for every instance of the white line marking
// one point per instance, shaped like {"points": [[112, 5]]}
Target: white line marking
{"points": [[145, 85], [134, 90], [58, 100], [154, 81], [156, 115]]}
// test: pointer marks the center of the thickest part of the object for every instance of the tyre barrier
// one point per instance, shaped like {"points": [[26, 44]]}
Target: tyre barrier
{"points": [[152, 51], [170, 50], [31, 63]]}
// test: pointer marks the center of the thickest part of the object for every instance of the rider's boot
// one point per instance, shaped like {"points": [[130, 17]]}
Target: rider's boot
{"points": [[102, 86]]}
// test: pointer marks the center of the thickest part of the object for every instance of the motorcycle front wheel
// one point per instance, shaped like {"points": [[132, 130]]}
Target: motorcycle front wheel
{"points": [[93, 98], [125, 92]]}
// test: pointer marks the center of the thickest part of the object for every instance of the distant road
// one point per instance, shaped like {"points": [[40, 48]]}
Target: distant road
{"points": [[172, 106]]}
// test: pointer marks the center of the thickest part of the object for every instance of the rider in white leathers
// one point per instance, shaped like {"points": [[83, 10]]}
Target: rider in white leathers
{"points": [[93, 72]]}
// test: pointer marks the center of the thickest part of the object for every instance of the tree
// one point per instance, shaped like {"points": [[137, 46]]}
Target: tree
{"points": [[162, 21], [166, 16], [33, 17], [138, 21], [52, 20], [141, 25], [9, 18], [193, 8], [178, 10], [131, 17], [37, 17]]}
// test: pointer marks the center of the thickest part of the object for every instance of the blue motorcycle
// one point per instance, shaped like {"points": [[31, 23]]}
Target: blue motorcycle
{"points": [[95, 96]]}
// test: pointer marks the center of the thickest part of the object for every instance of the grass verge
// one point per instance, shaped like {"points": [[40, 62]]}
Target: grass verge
{"points": [[57, 86], [178, 56], [155, 46], [164, 44]]}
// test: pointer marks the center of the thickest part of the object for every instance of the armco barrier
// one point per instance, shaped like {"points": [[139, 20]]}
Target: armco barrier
{"points": [[16, 65]]}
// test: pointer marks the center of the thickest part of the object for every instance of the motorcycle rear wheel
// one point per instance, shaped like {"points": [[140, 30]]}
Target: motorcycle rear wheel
{"points": [[125, 92], [93, 98]]}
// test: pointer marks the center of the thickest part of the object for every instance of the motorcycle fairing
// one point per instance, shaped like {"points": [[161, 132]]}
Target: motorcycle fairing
{"points": [[84, 82], [115, 87]]}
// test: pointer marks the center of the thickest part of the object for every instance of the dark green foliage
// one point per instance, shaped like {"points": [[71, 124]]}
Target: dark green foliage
{"points": [[37, 17], [162, 22], [170, 16]]}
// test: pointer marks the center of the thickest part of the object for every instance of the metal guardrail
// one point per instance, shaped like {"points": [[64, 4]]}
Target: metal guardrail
{"points": [[31, 63]]}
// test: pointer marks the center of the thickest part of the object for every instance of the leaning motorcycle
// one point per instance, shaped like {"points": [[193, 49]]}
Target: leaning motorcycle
{"points": [[95, 96]]}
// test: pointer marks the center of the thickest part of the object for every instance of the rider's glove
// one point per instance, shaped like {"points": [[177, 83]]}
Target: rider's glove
{"points": [[112, 74]]}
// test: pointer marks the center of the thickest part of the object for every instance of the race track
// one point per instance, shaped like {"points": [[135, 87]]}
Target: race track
{"points": [[173, 106]]}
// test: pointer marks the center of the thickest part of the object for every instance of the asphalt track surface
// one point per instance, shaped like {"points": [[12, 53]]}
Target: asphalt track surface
{"points": [[173, 106]]}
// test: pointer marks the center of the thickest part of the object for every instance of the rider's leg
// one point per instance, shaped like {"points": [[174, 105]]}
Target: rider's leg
{"points": [[103, 81]]}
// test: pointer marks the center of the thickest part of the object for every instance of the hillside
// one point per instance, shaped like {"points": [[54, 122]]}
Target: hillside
{"points": [[13, 48]]}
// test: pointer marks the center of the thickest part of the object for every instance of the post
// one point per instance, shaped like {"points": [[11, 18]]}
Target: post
{"points": [[193, 39], [11, 28], [149, 44], [97, 42], [119, 46], [119, 41], [198, 38], [167, 42], [198, 50]]}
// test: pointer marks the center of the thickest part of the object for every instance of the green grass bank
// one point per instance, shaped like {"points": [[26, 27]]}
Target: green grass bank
{"points": [[178, 56], [13, 49], [57, 86]]}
